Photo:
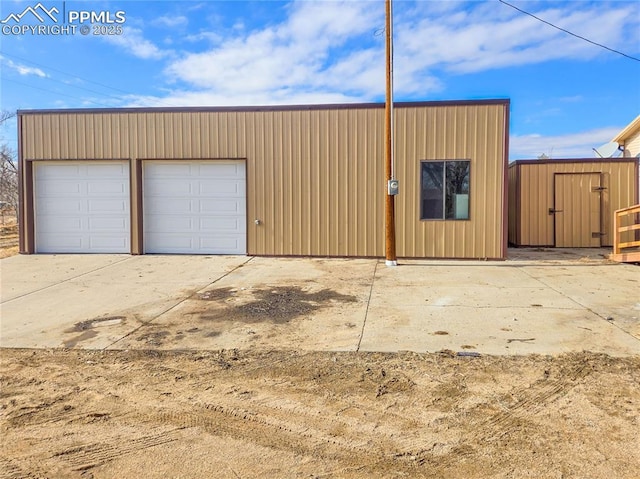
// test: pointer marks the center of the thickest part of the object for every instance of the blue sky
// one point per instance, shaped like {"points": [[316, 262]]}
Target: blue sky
{"points": [[567, 95]]}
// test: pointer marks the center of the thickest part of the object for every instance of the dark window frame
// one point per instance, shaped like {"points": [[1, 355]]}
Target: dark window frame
{"points": [[444, 205]]}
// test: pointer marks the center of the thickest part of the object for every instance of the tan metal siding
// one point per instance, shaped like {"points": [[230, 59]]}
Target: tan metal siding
{"points": [[463, 132], [313, 181], [315, 177], [513, 203], [578, 215], [134, 135], [536, 196]]}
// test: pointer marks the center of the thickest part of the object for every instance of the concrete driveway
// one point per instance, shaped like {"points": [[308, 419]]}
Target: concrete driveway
{"points": [[539, 301]]}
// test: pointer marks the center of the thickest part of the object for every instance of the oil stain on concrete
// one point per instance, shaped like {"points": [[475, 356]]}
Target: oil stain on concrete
{"points": [[278, 305], [87, 329]]}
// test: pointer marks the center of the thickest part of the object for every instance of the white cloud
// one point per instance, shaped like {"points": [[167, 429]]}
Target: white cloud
{"points": [[211, 37], [23, 69], [360, 71], [299, 56], [171, 21], [133, 41], [575, 145], [326, 48], [211, 98], [491, 36]]}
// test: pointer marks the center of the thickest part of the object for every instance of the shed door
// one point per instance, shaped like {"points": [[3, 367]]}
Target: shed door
{"points": [[195, 207], [82, 207], [577, 210]]}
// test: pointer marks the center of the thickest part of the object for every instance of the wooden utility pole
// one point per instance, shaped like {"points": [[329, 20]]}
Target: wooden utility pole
{"points": [[390, 223]]}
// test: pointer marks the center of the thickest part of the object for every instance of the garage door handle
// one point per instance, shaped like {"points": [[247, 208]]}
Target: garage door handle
{"points": [[552, 211]]}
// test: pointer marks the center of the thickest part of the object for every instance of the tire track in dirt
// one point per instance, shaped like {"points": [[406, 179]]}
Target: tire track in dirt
{"points": [[530, 400], [324, 415], [59, 409], [85, 457], [26, 468], [46, 411], [298, 433], [302, 426], [10, 469], [345, 420], [294, 427], [480, 429], [263, 409]]}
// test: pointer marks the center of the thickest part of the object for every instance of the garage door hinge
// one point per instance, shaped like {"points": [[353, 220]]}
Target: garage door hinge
{"points": [[596, 234], [598, 188]]}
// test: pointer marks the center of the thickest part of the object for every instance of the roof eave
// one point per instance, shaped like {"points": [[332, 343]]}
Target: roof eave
{"points": [[263, 108], [628, 131]]}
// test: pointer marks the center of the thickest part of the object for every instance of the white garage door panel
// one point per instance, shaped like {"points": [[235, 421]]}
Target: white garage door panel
{"points": [[108, 206], [106, 242], [220, 243], [114, 170], [60, 171], [222, 207], [222, 189], [64, 243], [165, 223], [169, 243], [195, 207], [78, 170], [82, 207], [226, 224], [107, 224], [159, 186], [67, 224], [212, 244], [166, 208], [167, 170], [58, 187], [106, 188], [61, 207]]}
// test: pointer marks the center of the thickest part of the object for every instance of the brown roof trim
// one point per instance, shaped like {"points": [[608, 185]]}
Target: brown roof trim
{"points": [[197, 109], [505, 185], [572, 160], [22, 246]]}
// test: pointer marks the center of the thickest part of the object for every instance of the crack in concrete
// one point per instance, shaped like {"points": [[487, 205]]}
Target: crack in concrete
{"points": [[67, 280], [366, 313], [581, 305]]}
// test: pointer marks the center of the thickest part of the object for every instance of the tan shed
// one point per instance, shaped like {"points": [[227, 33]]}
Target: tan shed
{"points": [[568, 203], [299, 180]]}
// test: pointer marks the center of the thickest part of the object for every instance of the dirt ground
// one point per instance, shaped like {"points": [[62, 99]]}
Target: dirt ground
{"points": [[234, 414]]}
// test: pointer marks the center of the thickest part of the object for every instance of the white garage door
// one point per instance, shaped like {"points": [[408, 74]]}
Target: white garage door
{"points": [[82, 207], [195, 207]]}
